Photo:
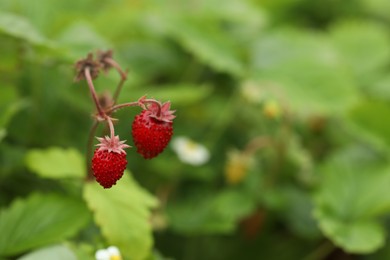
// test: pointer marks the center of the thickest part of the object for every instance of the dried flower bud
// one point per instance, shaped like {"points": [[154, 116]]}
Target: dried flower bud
{"points": [[103, 57], [83, 64]]}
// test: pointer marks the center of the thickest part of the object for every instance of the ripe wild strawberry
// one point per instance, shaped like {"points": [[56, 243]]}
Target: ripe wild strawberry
{"points": [[152, 129], [109, 161]]}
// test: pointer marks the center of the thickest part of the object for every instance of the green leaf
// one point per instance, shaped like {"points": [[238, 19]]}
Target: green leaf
{"points": [[56, 163], [39, 220], [360, 236], [208, 43], [123, 213], [217, 214], [353, 194], [19, 27], [80, 38], [178, 94], [58, 252], [303, 71], [297, 210], [8, 112], [379, 88], [367, 117], [363, 45]]}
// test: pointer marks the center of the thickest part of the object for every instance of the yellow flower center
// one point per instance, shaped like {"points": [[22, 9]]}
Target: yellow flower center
{"points": [[115, 257], [192, 146]]}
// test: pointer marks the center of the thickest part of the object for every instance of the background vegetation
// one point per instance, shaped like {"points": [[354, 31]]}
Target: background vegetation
{"points": [[291, 98]]}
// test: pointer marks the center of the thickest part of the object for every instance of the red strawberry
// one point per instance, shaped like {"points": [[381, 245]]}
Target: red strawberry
{"points": [[109, 161], [152, 129]]}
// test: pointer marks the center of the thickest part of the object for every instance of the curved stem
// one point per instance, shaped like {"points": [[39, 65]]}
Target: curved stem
{"points": [[321, 252], [93, 92], [257, 143], [155, 102], [120, 106], [91, 136], [123, 75], [118, 90], [115, 65]]}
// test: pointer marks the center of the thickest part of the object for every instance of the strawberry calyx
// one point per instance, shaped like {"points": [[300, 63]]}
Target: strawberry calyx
{"points": [[157, 110], [112, 144]]}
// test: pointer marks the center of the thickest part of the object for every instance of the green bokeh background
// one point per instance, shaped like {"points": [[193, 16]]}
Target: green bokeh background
{"points": [[297, 90]]}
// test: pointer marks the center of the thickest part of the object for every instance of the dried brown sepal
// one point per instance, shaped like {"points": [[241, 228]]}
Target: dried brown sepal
{"points": [[83, 64], [104, 57]]}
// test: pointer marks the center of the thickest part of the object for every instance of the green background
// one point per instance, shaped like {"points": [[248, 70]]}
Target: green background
{"points": [[310, 77]]}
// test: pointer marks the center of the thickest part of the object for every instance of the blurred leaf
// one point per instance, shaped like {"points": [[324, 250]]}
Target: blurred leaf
{"points": [[297, 210], [20, 27], [353, 194], [358, 236], [8, 112], [364, 45], [123, 213], [208, 43], [303, 71], [56, 163], [217, 214], [3, 133], [57, 252], [178, 94], [80, 38], [379, 88], [39, 220], [367, 116], [378, 7]]}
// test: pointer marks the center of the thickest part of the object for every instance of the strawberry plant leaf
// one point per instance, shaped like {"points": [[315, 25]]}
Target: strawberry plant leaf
{"points": [[208, 43], [59, 252], [213, 215], [359, 41], [123, 213], [367, 118], [80, 38], [56, 163], [353, 194], [178, 94], [39, 220], [303, 70], [20, 27]]}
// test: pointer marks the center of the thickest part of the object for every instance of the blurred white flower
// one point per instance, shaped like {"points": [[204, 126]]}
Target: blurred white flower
{"points": [[189, 151], [111, 253]]}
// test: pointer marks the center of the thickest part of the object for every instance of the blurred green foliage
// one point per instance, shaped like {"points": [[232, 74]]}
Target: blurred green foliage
{"points": [[291, 98]]}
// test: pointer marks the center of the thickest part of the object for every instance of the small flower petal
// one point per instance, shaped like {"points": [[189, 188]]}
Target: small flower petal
{"points": [[102, 254], [113, 250], [190, 152]]}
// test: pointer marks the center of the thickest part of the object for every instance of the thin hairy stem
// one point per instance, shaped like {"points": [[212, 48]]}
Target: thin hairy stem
{"points": [[115, 65], [123, 75], [120, 106], [153, 101], [257, 143], [93, 92]]}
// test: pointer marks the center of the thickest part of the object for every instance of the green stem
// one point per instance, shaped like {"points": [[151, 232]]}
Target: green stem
{"points": [[321, 252]]}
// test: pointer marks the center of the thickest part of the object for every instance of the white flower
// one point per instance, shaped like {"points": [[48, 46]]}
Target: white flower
{"points": [[111, 253], [189, 151]]}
